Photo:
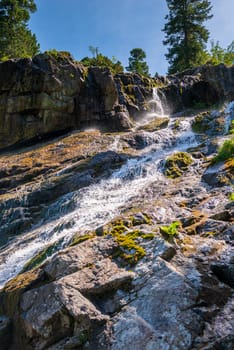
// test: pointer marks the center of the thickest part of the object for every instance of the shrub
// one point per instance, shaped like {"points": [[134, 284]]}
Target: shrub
{"points": [[225, 152]]}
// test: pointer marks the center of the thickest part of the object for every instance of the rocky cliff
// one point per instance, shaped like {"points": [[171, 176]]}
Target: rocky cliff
{"points": [[113, 240], [52, 94]]}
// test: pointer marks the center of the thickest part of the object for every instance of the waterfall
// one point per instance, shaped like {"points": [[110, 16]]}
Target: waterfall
{"points": [[156, 104], [94, 205]]}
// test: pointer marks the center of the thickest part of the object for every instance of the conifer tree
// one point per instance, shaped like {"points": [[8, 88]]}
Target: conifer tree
{"points": [[137, 62], [186, 35], [16, 40]]}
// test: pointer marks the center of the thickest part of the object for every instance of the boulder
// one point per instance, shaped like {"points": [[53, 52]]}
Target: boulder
{"points": [[199, 87]]}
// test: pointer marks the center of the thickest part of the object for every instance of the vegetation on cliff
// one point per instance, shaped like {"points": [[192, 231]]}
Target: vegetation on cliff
{"points": [[101, 60]]}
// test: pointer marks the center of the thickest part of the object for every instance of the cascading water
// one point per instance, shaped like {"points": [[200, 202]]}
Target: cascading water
{"points": [[156, 109], [156, 104], [95, 205]]}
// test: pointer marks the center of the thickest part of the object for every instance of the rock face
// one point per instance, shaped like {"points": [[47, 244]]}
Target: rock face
{"points": [[123, 240], [51, 94], [200, 87]]}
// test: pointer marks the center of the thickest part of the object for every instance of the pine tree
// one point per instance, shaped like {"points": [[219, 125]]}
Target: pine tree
{"points": [[16, 40], [137, 62], [186, 35]]}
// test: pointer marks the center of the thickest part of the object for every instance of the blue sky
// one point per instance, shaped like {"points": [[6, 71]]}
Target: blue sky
{"points": [[117, 26]]}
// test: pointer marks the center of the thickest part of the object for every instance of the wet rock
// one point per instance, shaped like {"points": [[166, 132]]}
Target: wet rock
{"points": [[5, 332], [105, 160], [217, 175], [210, 123], [156, 124]]}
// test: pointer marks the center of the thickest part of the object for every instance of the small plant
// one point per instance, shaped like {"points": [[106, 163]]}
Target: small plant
{"points": [[231, 130], [176, 124], [231, 196], [171, 230], [225, 152]]}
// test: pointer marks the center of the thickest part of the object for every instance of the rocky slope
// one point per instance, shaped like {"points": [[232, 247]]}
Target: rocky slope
{"points": [[125, 239]]}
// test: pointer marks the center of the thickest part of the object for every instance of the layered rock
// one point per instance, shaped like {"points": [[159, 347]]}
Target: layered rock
{"points": [[52, 94]]}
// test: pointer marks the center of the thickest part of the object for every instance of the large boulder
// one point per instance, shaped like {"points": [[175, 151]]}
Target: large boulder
{"points": [[199, 87]]}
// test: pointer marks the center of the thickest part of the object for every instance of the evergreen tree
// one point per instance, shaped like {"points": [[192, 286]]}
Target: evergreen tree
{"points": [[137, 62], [186, 35], [16, 40]]}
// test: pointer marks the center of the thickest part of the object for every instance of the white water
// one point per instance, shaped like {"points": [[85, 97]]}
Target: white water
{"points": [[158, 103], [156, 109], [97, 204], [94, 205]]}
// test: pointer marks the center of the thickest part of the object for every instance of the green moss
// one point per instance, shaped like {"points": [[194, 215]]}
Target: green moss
{"points": [[231, 196], [83, 337], [226, 151], [129, 250], [177, 163], [38, 259], [201, 122], [79, 239], [231, 128], [176, 125], [171, 230]]}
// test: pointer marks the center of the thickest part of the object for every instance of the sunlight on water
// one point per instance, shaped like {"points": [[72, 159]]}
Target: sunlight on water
{"points": [[95, 205]]}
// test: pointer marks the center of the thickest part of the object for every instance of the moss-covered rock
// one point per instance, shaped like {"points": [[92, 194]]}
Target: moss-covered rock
{"points": [[177, 163], [41, 256], [211, 123], [77, 239], [128, 237], [156, 124]]}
